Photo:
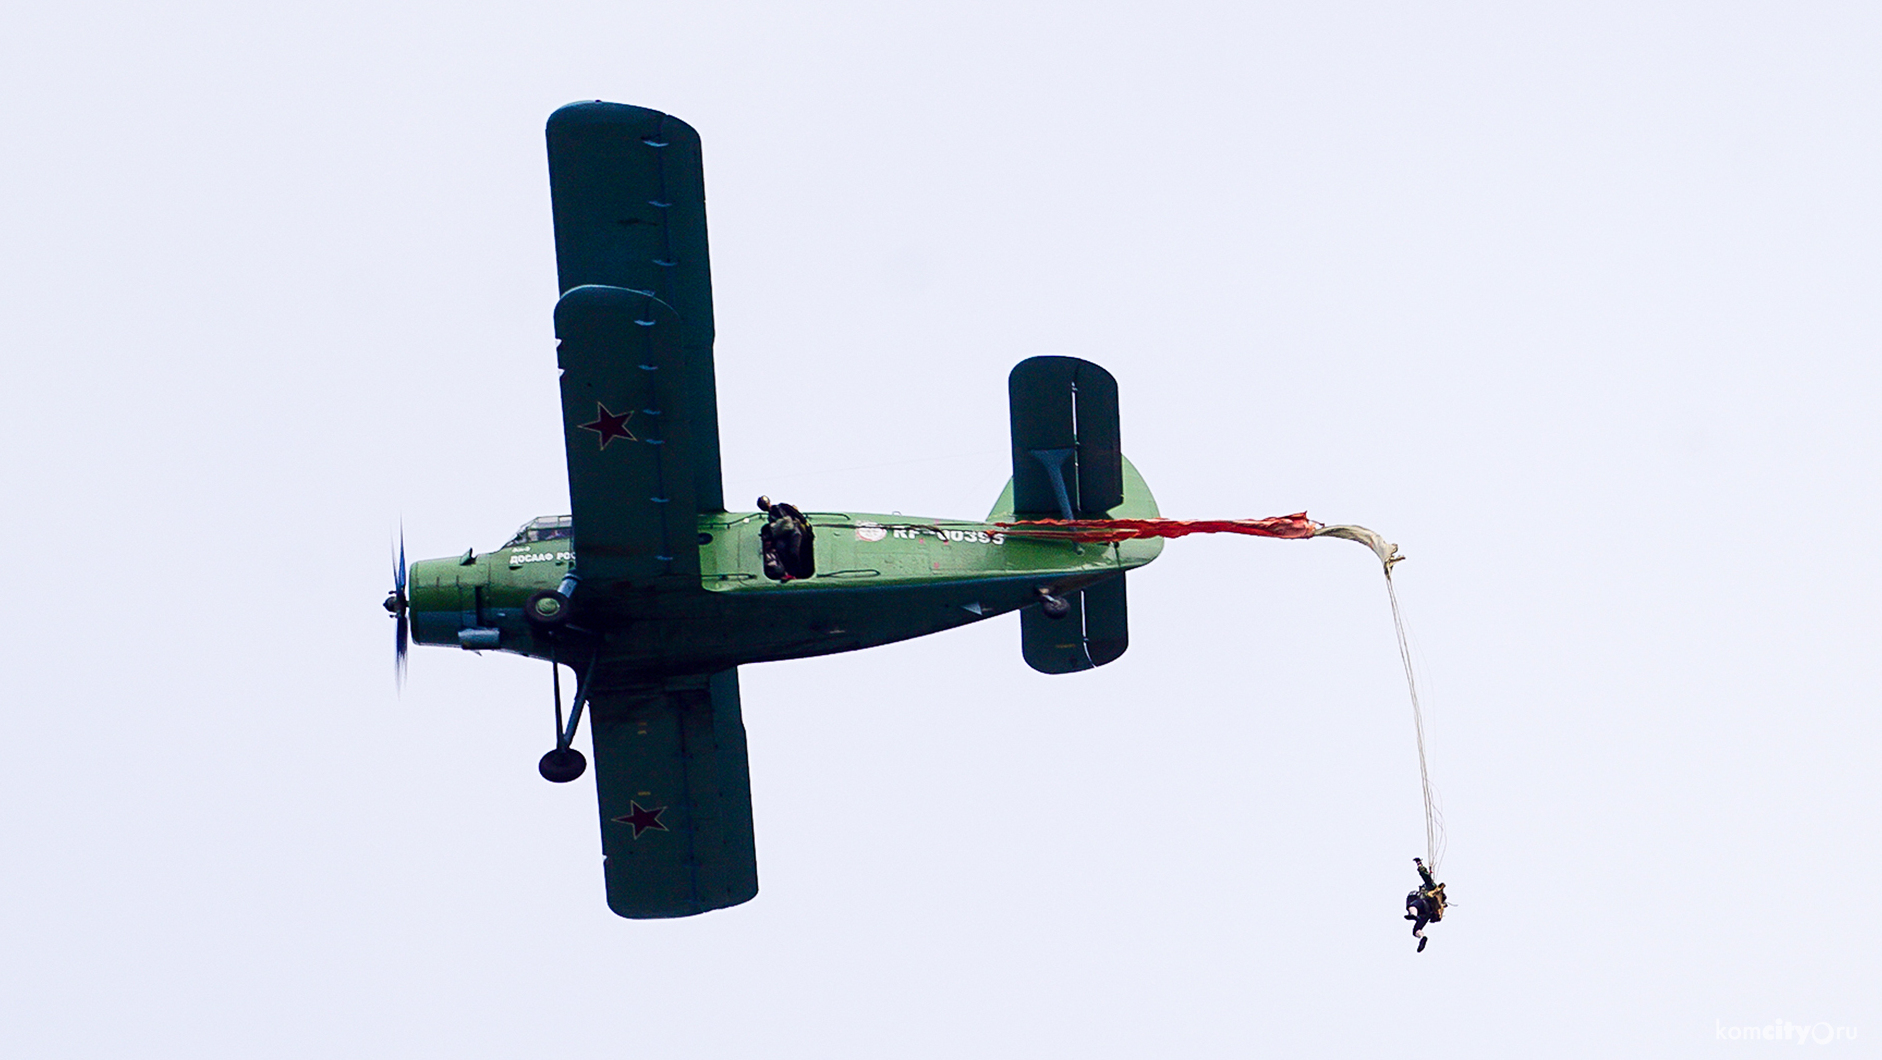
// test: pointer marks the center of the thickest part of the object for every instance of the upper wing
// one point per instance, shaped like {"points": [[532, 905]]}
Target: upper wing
{"points": [[630, 444], [629, 199], [675, 795]]}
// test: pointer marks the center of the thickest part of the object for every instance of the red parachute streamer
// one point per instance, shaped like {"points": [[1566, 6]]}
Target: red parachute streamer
{"points": [[1109, 530]]}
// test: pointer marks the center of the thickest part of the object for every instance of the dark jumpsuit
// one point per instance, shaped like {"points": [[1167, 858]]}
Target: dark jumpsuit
{"points": [[785, 541], [1424, 904]]}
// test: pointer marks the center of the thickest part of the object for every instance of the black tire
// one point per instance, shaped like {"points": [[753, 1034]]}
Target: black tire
{"points": [[546, 610], [560, 767]]}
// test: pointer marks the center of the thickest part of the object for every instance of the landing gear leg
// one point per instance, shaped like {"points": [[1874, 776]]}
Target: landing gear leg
{"points": [[565, 763]]}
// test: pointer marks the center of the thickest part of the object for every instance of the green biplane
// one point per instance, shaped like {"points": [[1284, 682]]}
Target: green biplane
{"points": [[653, 593]]}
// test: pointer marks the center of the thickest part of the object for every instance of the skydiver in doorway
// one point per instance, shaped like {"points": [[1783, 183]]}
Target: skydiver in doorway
{"points": [[1425, 904], [785, 542]]}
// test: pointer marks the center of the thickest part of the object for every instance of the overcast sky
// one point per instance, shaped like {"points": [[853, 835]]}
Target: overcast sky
{"points": [[1575, 301]]}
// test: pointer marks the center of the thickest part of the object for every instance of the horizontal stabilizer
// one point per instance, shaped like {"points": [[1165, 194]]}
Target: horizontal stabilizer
{"points": [[1095, 632]]}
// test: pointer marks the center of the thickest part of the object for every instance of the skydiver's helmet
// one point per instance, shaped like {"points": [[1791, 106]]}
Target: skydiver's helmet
{"points": [[764, 503]]}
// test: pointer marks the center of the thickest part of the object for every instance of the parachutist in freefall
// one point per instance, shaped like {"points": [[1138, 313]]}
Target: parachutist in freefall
{"points": [[1424, 904]]}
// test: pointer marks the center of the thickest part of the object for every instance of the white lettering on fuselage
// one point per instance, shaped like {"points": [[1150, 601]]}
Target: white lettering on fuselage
{"points": [[519, 558], [970, 537]]}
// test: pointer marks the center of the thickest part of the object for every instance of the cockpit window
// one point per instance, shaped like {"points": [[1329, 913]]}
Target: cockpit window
{"points": [[543, 528]]}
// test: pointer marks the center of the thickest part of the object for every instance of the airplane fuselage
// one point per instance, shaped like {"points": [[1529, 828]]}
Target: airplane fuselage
{"points": [[879, 579]]}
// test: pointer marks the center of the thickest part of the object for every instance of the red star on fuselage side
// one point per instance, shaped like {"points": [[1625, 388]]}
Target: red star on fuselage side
{"points": [[609, 426]]}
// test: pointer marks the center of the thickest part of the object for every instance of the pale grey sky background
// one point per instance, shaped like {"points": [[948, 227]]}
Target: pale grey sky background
{"points": [[1576, 301]]}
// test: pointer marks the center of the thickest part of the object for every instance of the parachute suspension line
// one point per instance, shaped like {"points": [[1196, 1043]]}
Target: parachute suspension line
{"points": [[1433, 820], [1388, 558]]}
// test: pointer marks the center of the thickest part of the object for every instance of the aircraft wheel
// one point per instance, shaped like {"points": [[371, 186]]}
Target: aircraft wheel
{"points": [[560, 767], [1054, 606], [546, 610]]}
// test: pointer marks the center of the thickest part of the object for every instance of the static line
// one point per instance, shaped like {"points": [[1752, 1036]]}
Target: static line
{"points": [[1418, 724]]}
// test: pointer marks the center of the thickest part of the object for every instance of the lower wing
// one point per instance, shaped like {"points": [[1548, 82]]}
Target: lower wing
{"points": [[675, 794]]}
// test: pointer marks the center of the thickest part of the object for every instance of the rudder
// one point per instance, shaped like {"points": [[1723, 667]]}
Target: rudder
{"points": [[1067, 459]]}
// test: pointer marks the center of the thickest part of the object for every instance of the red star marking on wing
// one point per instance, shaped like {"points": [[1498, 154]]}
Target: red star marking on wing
{"points": [[609, 426], [642, 818]]}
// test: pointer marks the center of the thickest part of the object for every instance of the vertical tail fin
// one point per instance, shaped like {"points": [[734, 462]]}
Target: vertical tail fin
{"points": [[1067, 461]]}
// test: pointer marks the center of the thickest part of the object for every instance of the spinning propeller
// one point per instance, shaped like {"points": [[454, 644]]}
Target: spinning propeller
{"points": [[547, 613], [399, 607]]}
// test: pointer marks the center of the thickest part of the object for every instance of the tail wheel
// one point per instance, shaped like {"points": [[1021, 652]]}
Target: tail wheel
{"points": [[1054, 606], [546, 610]]}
